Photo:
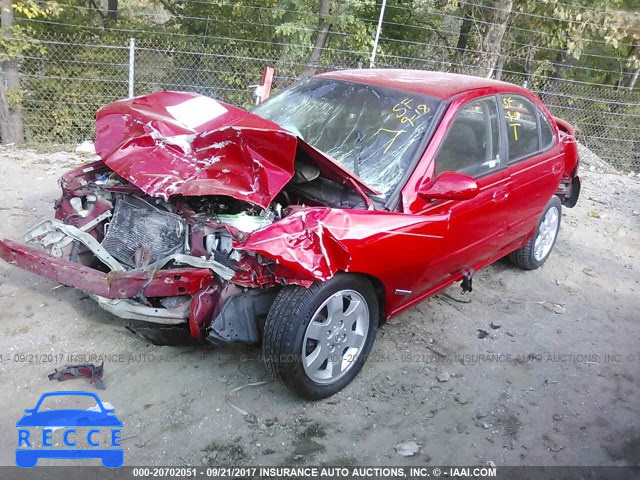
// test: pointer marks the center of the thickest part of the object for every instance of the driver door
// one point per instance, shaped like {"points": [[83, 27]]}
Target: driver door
{"points": [[472, 145]]}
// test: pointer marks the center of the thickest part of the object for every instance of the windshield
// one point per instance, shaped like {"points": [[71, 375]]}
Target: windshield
{"points": [[373, 131]]}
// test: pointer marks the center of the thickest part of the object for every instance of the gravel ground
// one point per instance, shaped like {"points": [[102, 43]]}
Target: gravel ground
{"points": [[554, 380]]}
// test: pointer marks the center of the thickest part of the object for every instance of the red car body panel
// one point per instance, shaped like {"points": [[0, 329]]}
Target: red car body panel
{"points": [[318, 242], [211, 148], [178, 143], [436, 84], [162, 283]]}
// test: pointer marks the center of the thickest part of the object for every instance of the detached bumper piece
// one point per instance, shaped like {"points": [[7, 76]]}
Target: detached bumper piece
{"points": [[198, 297], [86, 370], [115, 284]]}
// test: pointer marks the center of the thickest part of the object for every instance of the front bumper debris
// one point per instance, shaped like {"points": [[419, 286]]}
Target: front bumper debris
{"points": [[131, 310], [114, 284]]}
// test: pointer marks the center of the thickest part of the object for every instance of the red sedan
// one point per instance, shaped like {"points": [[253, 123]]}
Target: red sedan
{"points": [[302, 225]]}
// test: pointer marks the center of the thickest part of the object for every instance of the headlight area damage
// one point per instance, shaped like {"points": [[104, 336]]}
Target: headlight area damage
{"points": [[196, 214]]}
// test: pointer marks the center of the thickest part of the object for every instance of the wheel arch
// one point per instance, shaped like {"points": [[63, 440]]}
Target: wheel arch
{"points": [[379, 289]]}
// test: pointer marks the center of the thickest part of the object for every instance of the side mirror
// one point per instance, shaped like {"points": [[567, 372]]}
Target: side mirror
{"points": [[449, 186]]}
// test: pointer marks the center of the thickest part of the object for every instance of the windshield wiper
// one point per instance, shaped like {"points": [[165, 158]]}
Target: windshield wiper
{"points": [[356, 159], [362, 193]]}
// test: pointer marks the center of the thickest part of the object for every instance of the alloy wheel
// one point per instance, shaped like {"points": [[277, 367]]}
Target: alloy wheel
{"points": [[335, 336], [546, 233]]}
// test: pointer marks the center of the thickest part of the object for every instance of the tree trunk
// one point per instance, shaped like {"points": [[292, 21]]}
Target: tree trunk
{"points": [[491, 43], [527, 68], [314, 58], [561, 66], [497, 74], [11, 127], [460, 65], [283, 57], [112, 10], [463, 37], [563, 63], [633, 78], [629, 75], [321, 40]]}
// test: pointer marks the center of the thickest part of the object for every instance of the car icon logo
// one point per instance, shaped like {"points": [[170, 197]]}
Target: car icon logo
{"points": [[73, 427]]}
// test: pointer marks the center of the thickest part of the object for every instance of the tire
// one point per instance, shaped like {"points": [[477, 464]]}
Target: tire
{"points": [[335, 345], [536, 251]]}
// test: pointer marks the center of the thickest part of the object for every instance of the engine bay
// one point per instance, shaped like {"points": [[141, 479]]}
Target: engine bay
{"points": [[136, 231]]}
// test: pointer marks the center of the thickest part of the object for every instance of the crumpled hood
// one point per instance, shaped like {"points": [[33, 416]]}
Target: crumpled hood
{"points": [[179, 143]]}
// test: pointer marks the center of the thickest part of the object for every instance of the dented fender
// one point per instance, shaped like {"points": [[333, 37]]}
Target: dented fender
{"points": [[302, 243], [316, 243]]}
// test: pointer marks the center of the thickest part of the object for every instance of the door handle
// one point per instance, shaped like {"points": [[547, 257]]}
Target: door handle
{"points": [[500, 195]]}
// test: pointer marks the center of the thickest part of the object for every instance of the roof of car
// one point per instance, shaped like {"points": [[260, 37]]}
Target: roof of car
{"points": [[437, 84]]}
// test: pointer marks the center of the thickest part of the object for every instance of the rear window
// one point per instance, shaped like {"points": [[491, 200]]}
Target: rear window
{"points": [[546, 132], [528, 130]]}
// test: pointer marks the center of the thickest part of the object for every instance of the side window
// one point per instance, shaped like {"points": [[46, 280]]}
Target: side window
{"points": [[521, 118], [546, 132], [472, 144]]}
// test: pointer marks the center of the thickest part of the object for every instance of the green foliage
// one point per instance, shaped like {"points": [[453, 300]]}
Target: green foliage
{"points": [[19, 39], [14, 97], [539, 31], [219, 48]]}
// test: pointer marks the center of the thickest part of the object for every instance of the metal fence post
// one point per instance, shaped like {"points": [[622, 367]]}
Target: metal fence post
{"points": [[132, 64], [374, 50]]}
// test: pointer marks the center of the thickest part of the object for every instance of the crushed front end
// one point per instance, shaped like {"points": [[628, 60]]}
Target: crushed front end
{"points": [[160, 229], [169, 262]]}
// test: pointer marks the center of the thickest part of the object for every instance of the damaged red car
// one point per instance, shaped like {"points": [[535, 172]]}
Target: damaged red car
{"points": [[302, 225]]}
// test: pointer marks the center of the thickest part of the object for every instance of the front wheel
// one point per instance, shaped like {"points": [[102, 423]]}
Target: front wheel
{"points": [[317, 339], [538, 248]]}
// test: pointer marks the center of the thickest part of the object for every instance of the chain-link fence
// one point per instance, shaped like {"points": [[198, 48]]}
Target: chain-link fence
{"points": [[66, 78]]}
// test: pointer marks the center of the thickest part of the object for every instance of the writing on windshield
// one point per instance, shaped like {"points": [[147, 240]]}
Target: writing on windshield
{"points": [[373, 131]]}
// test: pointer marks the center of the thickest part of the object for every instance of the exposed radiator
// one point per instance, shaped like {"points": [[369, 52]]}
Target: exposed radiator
{"points": [[139, 227]]}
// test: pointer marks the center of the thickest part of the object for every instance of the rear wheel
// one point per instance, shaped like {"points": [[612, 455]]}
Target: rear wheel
{"points": [[317, 339], [539, 247]]}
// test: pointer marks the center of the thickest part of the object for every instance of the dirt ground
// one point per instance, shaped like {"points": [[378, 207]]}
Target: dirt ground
{"points": [[555, 380]]}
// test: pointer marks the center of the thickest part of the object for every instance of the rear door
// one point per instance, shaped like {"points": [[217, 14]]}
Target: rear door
{"points": [[535, 164]]}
